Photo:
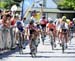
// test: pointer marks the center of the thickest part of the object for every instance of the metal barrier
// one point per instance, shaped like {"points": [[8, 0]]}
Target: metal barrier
{"points": [[7, 38]]}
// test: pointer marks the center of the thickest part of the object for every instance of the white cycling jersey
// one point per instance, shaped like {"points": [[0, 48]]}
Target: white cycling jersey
{"points": [[61, 25], [64, 26]]}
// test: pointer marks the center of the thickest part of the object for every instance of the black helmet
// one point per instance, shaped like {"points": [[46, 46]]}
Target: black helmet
{"points": [[32, 21], [43, 17], [51, 21]]}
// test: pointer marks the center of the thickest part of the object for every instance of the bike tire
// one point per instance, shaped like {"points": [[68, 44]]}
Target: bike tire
{"points": [[63, 47], [20, 44]]}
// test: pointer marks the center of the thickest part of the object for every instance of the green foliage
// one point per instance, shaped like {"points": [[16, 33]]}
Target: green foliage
{"points": [[6, 4], [67, 5], [9, 5], [3, 4]]}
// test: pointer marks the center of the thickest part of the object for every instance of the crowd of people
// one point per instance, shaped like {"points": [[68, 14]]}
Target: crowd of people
{"points": [[11, 26]]}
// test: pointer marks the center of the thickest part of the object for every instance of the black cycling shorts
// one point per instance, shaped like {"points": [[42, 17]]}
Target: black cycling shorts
{"points": [[32, 31], [64, 30], [51, 29], [43, 25], [71, 28]]}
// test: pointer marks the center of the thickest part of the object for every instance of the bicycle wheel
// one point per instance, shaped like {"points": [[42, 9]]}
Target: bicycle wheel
{"points": [[71, 36], [33, 48], [20, 43], [43, 38], [33, 52], [52, 40], [52, 43], [63, 46]]}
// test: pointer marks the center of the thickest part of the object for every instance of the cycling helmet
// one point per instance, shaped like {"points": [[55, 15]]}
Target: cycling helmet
{"points": [[64, 18], [32, 21], [50, 20], [73, 19]]}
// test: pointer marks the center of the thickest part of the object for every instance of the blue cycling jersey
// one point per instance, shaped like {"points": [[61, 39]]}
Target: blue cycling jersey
{"points": [[19, 26]]}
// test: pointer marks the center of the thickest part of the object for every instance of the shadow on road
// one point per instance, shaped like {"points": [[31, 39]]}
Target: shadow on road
{"points": [[44, 56], [45, 52], [69, 52], [6, 54]]}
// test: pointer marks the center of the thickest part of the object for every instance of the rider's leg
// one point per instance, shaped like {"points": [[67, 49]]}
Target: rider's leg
{"points": [[53, 35], [60, 37], [67, 39]]}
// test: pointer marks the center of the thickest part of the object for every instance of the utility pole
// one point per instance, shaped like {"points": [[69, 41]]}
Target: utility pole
{"points": [[43, 5]]}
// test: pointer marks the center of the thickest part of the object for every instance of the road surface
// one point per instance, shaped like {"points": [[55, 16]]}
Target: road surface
{"points": [[45, 53]]}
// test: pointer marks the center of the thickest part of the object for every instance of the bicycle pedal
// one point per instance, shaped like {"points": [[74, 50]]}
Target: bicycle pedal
{"points": [[35, 55], [60, 44]]}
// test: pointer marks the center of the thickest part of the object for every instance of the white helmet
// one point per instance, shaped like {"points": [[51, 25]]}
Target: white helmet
{"points": [[49, 19], [73, 19]]}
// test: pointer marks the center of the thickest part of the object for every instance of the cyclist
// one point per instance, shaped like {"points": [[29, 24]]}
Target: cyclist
{"points": [[58, 23], [71, 25], [64, 30], [33, 33], [51, 27], [43, 23], [39, 31]]}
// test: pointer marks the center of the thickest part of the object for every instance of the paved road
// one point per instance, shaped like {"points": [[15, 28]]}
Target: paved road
{"points": [[45, 53]]}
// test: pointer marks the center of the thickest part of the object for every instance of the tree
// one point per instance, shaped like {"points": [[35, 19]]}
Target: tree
{"points": [[3, 4], [67, 5], [6, 4], [11, 2]]}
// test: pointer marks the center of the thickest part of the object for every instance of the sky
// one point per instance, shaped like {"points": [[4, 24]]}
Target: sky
{"points": [[28, 3], [49, 3]]}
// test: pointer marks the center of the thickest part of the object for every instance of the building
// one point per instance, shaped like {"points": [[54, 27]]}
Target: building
{"points": [[51, 10]]}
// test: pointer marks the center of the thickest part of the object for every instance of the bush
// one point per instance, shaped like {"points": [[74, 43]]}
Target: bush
{"points": [[3, 4], [67, 5]]}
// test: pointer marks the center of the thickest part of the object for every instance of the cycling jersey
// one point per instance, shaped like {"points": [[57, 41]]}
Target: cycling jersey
{"points": [[71, 24], [58, 23], [32, 28], [61, 25], [51, 26], [20, 26], [43, 23], [64, 26]]}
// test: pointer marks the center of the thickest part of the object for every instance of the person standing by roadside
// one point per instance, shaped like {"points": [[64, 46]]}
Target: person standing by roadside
{"points": [[1, 42]]}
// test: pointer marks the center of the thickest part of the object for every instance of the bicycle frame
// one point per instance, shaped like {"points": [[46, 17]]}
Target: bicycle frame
{"points": [[64, 40], [51, 39], [20, 41]]}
